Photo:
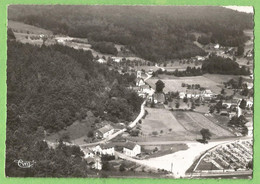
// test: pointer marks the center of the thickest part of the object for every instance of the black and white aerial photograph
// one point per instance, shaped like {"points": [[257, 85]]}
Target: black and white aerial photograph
{"points": [[98, 91]]}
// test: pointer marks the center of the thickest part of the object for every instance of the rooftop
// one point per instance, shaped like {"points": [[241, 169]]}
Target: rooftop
{"points": [[105, 129], [130, 145]]}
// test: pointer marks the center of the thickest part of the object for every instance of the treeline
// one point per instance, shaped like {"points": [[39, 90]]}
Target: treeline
{"points": [[235, 39], [154, 33], [220, 65], [190, 71]]}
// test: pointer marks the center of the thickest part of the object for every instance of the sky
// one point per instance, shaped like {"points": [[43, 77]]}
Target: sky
{"points": [[246, 9]]}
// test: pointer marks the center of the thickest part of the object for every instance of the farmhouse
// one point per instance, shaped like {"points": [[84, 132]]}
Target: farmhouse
{"points": [[131, 149], [159, 98], [105, 149], [104, 132]]}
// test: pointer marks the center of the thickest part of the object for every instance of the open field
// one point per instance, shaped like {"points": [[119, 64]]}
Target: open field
{"points": [[160, 120], [177, 125], [213, 83]]}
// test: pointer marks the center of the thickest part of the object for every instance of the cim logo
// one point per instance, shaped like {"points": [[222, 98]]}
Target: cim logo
{"points": [[25, 164]]}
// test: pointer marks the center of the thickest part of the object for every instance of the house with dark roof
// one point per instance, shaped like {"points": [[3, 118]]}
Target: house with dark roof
{"points": [[131, 149], [104, 132]]}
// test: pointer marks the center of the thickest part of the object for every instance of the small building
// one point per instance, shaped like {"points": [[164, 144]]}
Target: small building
{"points": [[101, 60], [182, 95], [217, 46], [147, 90], [249, 126], [131, 149], [224, 113], [105, 149], [140, 82], [193, 93], [233, 102], [117, 59], [159, 98], [97, 164], [104, 132], [88, 153], [207, 93]]}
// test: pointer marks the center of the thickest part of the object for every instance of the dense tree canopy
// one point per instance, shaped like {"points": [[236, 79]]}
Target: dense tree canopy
{"points": [[156, 33], [221, 65]]}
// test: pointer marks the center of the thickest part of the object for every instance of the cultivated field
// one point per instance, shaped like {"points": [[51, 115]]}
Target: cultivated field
{"points": [[193, 122], [176, 125]]}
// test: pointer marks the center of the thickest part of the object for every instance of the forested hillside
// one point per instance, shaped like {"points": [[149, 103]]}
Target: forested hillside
{"points": [[48, 88], [53, 86], [155, 33]]}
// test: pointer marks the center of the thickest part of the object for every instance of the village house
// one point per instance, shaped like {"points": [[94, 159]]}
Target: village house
{"points": [[147, 90], [104, 132], [104, 149], [207, 93], [229, 103], [101, 60], [88, 153], [140, 82], [131, 149], [249, 126], [182, 95], [159, 98], [97, 163], [117, 59], [193, 93]]}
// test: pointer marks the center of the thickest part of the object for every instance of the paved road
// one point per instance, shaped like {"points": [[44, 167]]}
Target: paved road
{"points": [[194, 141]]}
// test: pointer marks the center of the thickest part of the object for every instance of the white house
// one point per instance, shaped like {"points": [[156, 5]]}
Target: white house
{"points": [[249, 103], [104, 132], [207, 93], [249, 126], [116, 59], [97, 163], [101, 60], [217, 46], [182, 95], [131, 149], [105, 149], [193, 93], [140, 82], [147, 90]]}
